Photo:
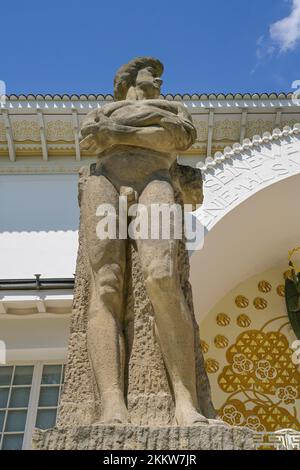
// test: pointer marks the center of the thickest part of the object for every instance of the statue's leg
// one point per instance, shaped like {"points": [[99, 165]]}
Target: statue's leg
{"points": [[172, 316], [105, 329]]}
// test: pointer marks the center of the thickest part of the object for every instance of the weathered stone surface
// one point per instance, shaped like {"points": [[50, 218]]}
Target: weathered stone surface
{"points": [[134, 353], [150, 400], [141, 437]]}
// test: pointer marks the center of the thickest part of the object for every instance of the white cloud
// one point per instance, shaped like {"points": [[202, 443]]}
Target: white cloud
{"points": [[286, 32]]}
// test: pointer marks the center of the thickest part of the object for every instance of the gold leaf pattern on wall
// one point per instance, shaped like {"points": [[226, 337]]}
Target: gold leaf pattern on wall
{"points": [[241, 301], [264, 286], [257, 384], [260, 348], [223, 319], [260, 368], [259, 418], [227, 130], [260, 303]]}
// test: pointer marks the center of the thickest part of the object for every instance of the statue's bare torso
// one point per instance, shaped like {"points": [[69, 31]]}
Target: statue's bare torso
{"points": [[134, 159]]}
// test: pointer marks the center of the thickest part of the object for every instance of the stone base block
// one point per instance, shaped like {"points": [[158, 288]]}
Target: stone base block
{"points": [[103, 437]]}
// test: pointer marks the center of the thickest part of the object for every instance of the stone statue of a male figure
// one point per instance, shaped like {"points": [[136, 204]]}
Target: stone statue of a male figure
{"points": [[137, 138]]}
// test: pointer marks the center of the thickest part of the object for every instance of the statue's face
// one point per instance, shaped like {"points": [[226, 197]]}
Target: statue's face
{"points": [[147, 84]]}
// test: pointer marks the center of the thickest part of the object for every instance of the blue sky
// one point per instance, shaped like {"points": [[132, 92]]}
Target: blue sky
{"points": [[71, 46]]}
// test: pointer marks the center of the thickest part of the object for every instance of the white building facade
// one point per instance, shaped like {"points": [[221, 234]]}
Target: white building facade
{"points": [[250, 219]]}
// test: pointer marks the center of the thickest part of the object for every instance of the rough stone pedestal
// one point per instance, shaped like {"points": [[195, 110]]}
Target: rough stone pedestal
{"points": [[205, 437]]}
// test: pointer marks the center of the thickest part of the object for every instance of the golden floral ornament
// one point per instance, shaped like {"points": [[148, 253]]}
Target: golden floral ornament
{"points": [[280, 290], [253, 422], [243, 321], [241, 365], [241, 301], [256, 346], [264, 370], [264, 286], [262, 417], [260, 303], [204, 346], [211, 365], [221, 341], [261, 382], [232, 416], [287, 394], [223, 319]]}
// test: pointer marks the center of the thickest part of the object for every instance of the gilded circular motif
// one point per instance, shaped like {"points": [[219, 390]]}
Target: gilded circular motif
{"points": [[264, 286], [204, 346], [223, 319], [260, 303], [241, 301], [211, 365], [243, 321], [221, 341]]}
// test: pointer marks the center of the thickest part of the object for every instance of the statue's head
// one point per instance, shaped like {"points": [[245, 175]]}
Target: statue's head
{"points": [[139, 79]]}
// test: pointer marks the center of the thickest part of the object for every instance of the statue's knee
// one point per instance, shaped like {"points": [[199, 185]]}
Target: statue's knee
{"points": [[160, 282], [110, 280]]}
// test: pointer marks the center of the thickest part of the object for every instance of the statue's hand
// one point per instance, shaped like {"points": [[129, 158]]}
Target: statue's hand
{"points": [[97, 134], [90, 129]]}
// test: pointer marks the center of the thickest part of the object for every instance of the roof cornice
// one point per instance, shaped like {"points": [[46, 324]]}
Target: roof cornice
{"points": [[201, 102], [168, 96]]}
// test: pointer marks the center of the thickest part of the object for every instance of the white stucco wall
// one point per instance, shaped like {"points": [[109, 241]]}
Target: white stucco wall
{"points": [[34, 337], [38, 225]]}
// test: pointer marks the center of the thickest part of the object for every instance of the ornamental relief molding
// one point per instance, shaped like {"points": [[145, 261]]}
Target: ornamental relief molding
{"points": [[289, 122], [202, 129], [39, 170], [25, 130], [242, 170], [258, 126], [62, 130], [59, 130], [227, 130]]}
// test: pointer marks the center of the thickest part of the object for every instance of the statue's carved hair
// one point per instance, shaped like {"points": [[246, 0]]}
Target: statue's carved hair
{"points": [[127, 73]]}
